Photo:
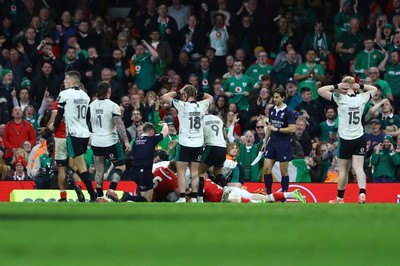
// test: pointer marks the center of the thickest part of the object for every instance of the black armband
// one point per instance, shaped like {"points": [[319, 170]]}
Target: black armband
{"points": [[335, 86], [178, 94], [361, 86]]}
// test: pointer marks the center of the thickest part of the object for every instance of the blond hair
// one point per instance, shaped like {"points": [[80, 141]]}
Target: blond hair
{"points": [[19, 152], [348, 79], [5, 170], [190, 91]]}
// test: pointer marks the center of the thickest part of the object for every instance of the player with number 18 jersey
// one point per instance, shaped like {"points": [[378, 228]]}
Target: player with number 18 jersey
{"points": [[190, 116]]}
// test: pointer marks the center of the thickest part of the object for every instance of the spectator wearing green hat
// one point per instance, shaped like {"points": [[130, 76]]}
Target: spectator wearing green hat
{"points": [[6, 88], [26, 83], [7, 78], [385, 160], [384, 34], [18, 62]]}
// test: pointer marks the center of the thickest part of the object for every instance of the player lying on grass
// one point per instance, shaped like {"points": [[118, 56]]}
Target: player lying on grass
{"points": [[166, 189], [215, 193]]}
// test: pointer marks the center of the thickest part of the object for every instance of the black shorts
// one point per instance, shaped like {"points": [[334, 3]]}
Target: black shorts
{"points": [[188, 154], [348, 148], [280, 151], [76, 146], [143, 178], [114, 153], [214, 156]]}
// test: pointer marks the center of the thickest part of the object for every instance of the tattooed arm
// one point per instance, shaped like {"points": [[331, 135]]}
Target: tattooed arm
{"points": [[119, 124]]}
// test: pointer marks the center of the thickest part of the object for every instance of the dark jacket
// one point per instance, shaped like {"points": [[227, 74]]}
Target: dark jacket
{"points": [[40, 83]]}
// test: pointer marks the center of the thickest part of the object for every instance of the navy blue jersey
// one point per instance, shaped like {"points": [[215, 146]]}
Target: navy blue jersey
{"points": [[281, 118], [143, 150]]}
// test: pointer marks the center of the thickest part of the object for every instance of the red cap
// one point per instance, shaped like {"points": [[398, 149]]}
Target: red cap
{"points": [[20, 160]]}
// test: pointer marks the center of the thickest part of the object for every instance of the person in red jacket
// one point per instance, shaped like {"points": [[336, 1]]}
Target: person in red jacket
{"points": [[16, 132]]}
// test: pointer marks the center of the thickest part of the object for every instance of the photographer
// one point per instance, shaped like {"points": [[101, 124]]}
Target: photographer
{"points": [[385, 160]]}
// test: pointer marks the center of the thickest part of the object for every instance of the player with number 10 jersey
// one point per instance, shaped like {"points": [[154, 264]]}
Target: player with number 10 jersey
{"points": [[76, 102]]}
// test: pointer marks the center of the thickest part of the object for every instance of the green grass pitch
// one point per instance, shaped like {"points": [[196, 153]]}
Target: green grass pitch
{"points": [[199, 234]]}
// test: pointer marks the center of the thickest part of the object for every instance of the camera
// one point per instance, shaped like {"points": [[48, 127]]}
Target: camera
{"points": [[297, 114]]}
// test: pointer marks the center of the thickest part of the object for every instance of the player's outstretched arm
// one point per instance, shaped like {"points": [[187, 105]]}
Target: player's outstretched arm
{"points": [[164, 130]]}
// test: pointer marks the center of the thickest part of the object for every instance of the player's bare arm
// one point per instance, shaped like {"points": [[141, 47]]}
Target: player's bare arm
{"points": [[327, 91], [164, 130], [169, 96], [119, 125], [208, 97], [369, 88]]}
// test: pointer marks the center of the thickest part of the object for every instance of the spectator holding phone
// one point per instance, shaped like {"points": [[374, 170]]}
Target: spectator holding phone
{"points": [[385, 161]]}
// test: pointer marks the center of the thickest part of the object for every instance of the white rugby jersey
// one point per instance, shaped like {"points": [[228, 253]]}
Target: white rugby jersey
{"points": [[350, 111], [102, 113], [214, 131], [75, 103], [191, 115]]}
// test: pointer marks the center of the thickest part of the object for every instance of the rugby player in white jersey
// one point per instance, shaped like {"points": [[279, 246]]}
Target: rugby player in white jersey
{"points": [[351, 98], [214, 153], [73, 104], [106, 121], [61, 155], [191, 136]]}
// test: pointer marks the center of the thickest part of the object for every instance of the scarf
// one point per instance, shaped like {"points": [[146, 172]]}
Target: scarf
{"points": [[324, 43]]}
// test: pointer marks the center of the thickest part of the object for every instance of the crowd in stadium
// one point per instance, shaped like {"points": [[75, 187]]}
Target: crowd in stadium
{"points": [[236, 51]]}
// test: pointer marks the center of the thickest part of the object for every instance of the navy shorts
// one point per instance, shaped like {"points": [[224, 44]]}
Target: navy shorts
{"points": [[143, 178], [280, 151], [348, 148], [214, 156]]}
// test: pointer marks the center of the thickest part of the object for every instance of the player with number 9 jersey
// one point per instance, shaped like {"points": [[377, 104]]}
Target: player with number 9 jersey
{"points": [[75, 103], [214, 153], [214, 131]]}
